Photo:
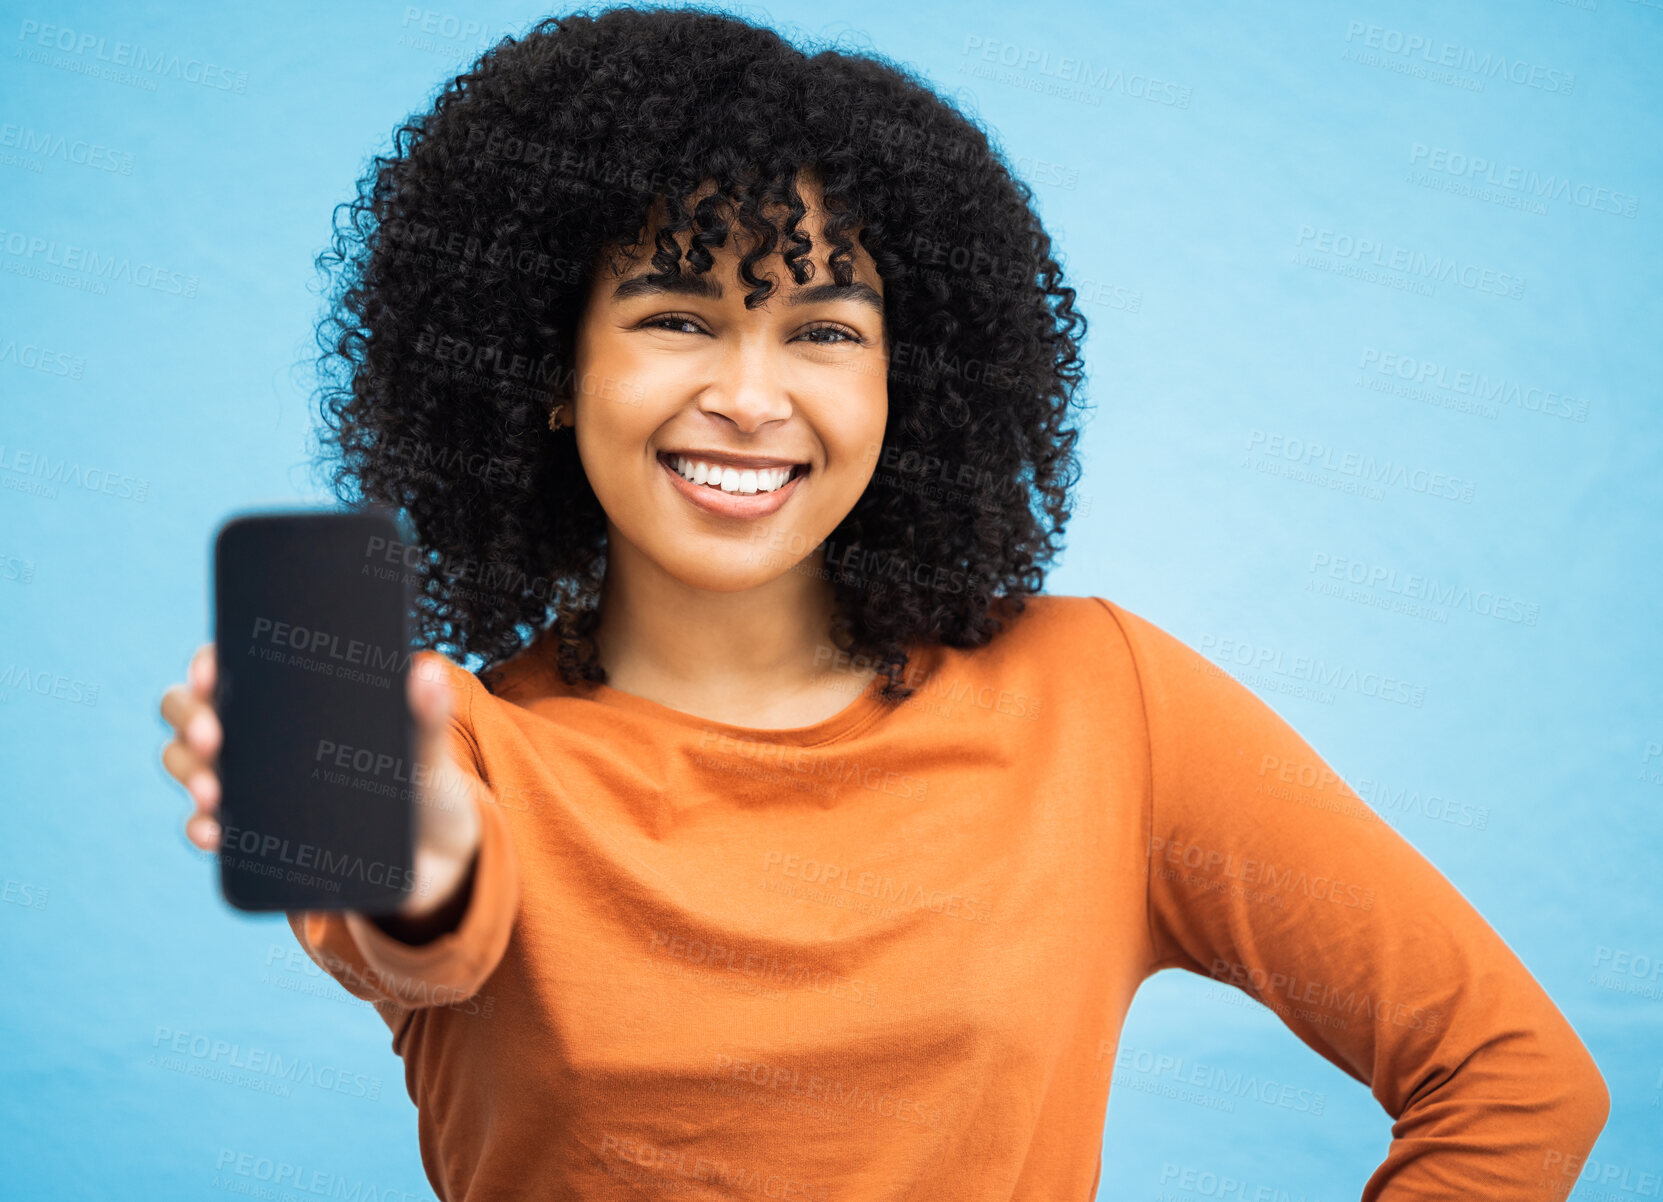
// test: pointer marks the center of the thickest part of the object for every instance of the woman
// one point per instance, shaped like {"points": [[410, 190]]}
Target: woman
{"points": [[804, 848]]}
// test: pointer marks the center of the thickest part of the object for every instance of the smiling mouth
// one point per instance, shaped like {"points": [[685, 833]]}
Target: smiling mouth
{"points": [[730, 479]]}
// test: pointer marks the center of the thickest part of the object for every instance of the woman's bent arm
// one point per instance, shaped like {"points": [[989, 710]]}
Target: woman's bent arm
{"points": [[1266, 871]]}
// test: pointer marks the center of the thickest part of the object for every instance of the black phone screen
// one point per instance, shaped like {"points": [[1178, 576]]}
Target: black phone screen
{"points": [[317, 799]]}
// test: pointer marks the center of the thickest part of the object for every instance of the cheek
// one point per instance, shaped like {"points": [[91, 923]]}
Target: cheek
{"points": [[610, 438], [864, 441], [609, 373], [621, 405]]}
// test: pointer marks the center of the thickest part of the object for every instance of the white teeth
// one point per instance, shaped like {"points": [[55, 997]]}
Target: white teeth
{"points": [[731, 480]]}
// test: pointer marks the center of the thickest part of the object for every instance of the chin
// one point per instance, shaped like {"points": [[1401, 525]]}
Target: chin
{"points": [[742, 567]]}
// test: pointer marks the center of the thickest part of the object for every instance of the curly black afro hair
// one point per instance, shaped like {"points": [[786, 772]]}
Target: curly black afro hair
{"points": [[465, 260]]}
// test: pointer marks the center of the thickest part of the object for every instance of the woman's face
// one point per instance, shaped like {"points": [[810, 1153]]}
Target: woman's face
{"points": [[793, 390]]}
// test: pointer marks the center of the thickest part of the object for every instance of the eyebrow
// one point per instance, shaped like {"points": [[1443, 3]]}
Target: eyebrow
{"points": [[709, 289]]}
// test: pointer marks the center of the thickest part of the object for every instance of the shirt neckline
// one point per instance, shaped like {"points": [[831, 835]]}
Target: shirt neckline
{"points": [[922, 660], [864, 708]]}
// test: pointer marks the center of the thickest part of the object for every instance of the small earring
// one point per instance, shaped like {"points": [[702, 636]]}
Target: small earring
{"points": [[554, 417]]}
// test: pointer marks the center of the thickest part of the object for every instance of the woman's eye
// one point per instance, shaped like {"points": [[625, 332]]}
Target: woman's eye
{"points": [[686, 325], [842, 334], [665, 323]]}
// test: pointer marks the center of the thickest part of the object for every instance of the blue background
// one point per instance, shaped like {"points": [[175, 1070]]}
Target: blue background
{"points": [[1233, 327]]}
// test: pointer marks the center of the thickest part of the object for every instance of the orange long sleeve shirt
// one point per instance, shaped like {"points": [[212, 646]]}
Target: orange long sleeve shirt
{"points": [[889, 954]]}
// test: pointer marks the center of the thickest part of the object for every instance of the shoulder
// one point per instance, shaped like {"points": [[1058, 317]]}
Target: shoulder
{"points": [[1095, 642], [1069, 625], [1072, 648]]}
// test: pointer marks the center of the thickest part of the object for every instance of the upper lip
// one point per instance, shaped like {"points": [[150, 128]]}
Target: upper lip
{"points": [[731, 459]]}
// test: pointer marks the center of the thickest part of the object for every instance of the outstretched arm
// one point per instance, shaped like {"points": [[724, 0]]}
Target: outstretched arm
{"points": [[444, 957]]}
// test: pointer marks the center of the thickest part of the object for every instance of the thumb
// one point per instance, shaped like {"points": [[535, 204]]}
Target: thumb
{"points": [[443, 795], [429, 692]]}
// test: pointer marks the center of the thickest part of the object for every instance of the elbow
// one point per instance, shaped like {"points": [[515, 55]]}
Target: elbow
{"points": [[1592, 1096], [1588, 1096], [1580, 1105]]}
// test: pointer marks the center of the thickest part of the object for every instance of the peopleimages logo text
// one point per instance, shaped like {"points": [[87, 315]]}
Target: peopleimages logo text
{"points": [[1136, 85], [1441, 268], [1526, 181], [148, 60], [1439, 53]]}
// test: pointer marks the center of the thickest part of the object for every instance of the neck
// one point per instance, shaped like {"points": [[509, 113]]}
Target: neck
{"points": [[661, 638]]}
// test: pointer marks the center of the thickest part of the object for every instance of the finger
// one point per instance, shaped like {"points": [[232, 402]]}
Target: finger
{"points": [[177, 705], [199, 778], [428, 670], [180, 761], [203, 671], [193, 719], [204, 832], [432, 699], [429, 692]]}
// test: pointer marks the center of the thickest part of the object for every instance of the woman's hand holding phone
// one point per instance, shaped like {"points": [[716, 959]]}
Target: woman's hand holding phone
{"points": [[447, 824]]}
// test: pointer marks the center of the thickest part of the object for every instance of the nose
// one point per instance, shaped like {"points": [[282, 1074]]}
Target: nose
{"points": [[746, 387]]}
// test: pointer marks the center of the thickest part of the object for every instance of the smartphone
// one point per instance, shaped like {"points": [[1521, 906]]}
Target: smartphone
{"points": [[311, 635]]}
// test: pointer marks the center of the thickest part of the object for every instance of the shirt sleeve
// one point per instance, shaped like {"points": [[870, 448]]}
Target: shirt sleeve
{"points": [[397, 976], [1268, 872]]}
